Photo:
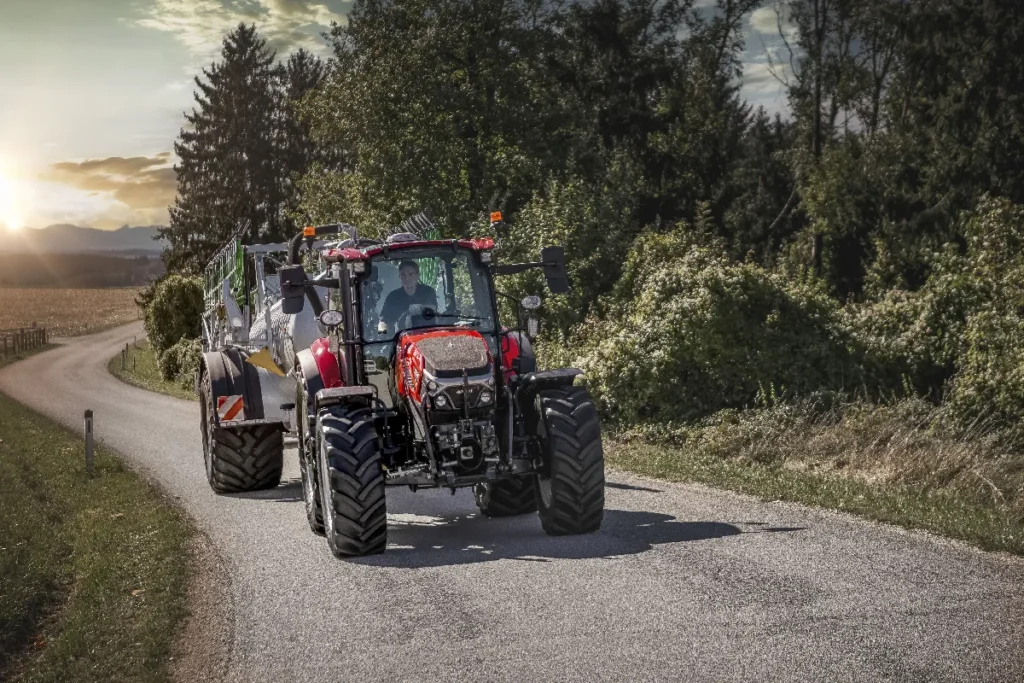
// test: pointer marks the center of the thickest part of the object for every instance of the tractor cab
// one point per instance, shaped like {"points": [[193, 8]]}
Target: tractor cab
{"points": [[412, 291]]}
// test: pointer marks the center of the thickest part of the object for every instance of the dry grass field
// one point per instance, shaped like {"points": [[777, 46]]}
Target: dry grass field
{"points": [[68, 312]]}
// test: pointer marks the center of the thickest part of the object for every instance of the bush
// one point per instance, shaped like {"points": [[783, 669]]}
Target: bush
{"points": [[180, 362], [690, 332], [174, 312]]}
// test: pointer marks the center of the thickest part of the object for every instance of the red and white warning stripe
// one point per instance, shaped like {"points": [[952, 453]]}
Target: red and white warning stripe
{"points": [[230, 408]]}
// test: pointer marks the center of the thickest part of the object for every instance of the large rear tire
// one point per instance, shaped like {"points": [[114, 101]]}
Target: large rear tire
{"points": [[351, 477], [570, 488], [506, 498], [243, 459]]}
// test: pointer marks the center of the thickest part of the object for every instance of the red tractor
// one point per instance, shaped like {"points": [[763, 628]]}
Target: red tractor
{"points": [[418, 384]]}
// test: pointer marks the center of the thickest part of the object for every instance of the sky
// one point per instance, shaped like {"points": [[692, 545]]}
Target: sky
{"points": [[93, 94]]}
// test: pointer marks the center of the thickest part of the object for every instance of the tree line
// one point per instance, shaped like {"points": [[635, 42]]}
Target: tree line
{"points": [[618, 129]]}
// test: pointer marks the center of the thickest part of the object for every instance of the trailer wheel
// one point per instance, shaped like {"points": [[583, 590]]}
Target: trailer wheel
{"points": [[239, 460], [351, 481], [570, 488], [506, 498]]}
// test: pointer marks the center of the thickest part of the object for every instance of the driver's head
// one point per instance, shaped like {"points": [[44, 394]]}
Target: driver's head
{"points": [[409, 274]]}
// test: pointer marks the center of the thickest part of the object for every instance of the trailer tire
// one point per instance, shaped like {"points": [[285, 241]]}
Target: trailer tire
{"points": [[507, 497], [243, 459], [570, 488], [351, 481]]}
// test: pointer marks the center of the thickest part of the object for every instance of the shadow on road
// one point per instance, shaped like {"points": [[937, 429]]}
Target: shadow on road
{"points": [[289, 491], [417, 540], [629, 487]]}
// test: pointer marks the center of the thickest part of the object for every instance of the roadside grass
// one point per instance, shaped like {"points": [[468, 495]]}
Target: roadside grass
{"points": [[94, 569], [890, 463], [140, 370]]}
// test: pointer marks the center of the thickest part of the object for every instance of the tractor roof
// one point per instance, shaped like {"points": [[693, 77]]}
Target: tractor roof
{"points": [[351, 253]]}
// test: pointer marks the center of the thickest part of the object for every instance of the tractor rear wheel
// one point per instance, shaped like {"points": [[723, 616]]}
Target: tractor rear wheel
{"points": [[243, 459], [506, 498], [570, 487], [351, 476]]}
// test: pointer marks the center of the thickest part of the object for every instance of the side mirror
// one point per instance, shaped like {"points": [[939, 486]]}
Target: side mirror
{"points": [[293, 289], [554, 269]]}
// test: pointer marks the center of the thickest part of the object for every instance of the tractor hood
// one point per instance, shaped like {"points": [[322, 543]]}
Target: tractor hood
{"points": [[448, 354]]}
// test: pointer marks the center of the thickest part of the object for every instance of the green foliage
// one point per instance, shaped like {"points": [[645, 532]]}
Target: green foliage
{"points": [[690, 332], [593, 227], [174, 312], [181, 362]]}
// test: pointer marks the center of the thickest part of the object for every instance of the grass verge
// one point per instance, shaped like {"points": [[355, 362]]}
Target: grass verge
{"points": [[94, 569], [140, 370], [895, 464]]}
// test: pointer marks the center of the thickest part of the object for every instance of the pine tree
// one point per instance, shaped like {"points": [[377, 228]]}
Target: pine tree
{"points": [[229, 177], [302, 74]]}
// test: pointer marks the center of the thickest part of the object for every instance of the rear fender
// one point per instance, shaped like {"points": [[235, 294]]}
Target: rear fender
{"points": [[517, 354], [532, 383]]}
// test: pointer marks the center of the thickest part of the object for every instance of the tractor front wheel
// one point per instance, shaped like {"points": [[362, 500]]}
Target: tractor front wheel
{"points": [[351, 476], [570, 487]]}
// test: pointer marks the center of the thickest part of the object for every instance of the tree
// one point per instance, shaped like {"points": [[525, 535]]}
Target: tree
{"points": [[229, 176], [301, 75]]}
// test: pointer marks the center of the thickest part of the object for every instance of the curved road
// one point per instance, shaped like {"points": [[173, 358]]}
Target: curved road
{"points": [[681, 583]]}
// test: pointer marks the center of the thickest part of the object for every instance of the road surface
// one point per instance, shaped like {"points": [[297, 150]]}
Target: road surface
{"points": [[682, 582]]}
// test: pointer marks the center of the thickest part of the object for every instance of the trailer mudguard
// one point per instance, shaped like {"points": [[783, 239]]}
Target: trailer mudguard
{"points": [[231, 376]]}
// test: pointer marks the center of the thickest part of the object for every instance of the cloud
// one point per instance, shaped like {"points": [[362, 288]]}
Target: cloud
{"points": [[136, 189], [767, 20], [200, 25]]}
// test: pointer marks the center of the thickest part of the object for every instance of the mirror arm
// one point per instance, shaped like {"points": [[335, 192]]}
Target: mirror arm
{"points": [[513, 268]]}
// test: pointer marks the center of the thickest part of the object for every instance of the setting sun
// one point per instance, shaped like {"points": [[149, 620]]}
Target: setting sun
{"points": [[10, 212]]}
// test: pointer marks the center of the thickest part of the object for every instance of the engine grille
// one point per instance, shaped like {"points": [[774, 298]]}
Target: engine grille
{"points": [[448, 356]]}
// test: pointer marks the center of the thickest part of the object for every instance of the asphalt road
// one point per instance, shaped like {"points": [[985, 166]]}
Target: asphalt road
{"points": [[682, 582]]}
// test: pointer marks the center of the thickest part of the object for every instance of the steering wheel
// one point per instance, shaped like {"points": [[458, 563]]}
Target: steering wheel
{"points": [[426, 312]]}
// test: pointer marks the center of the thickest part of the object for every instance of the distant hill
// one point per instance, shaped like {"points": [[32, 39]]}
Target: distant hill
{"points": [[78, 270], [71, 239]]}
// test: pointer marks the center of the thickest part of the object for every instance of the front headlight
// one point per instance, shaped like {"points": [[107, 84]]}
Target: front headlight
{"points": [[440, 401], [486, 397]]}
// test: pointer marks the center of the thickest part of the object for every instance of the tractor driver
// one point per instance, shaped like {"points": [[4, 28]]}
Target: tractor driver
{"points": [[411, 292]]}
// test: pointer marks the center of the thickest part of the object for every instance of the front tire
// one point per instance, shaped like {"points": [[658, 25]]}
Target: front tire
{"points": [[570, 489], [243, 459], [506, 498], [351, 477]]}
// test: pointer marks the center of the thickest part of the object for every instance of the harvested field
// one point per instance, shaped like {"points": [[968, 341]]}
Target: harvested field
{"points": [[68, 312]]}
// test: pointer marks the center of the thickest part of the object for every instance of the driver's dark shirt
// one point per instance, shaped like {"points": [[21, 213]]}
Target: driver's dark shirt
{"points": [[398, 302]]}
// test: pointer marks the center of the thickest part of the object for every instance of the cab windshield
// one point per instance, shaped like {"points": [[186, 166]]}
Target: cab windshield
{"points": [[425, 287]]}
